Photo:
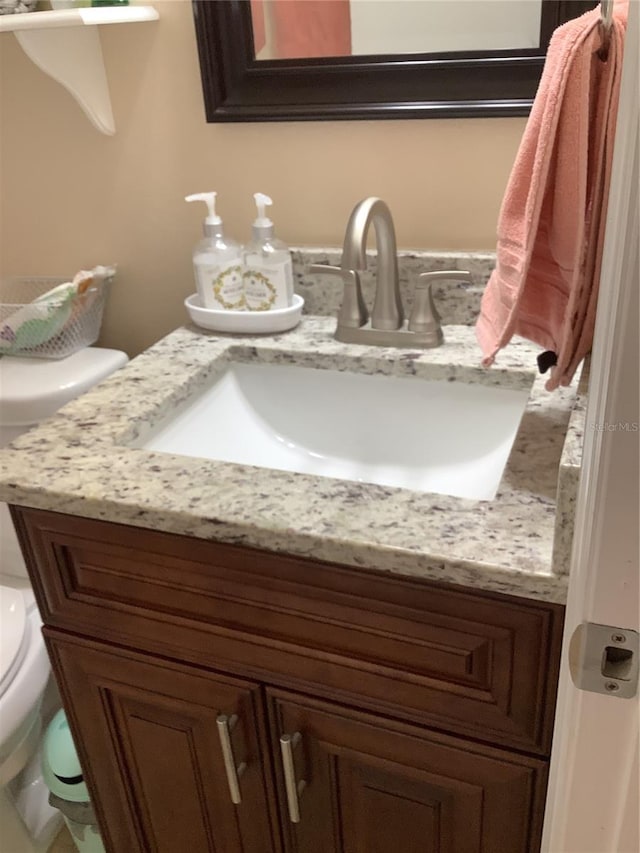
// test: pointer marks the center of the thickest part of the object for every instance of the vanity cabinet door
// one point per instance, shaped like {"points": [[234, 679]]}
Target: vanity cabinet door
{"points": [[153, 754], [365, 784]]}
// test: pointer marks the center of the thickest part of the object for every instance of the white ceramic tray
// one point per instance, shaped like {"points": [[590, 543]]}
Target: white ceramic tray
{"points": [[245, 322]]}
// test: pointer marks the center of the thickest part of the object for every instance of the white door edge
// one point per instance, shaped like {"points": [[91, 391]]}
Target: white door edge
{"points": [[592, 802]]}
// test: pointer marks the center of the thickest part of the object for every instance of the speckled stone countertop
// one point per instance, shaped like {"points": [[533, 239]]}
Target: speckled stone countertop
{"points": [[83, 462]]}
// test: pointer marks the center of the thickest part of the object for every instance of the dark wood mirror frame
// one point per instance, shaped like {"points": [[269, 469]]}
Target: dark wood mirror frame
{"points": [[455, 85]]}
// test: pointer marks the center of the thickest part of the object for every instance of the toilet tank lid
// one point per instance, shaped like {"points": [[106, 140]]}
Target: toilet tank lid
{"points": [[13, 620], [32, 389]]}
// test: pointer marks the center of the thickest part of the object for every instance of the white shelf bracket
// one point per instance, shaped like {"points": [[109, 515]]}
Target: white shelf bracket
{"points": [[65, 44], [73, 57]]}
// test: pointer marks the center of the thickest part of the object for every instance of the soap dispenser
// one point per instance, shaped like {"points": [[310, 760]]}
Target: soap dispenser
{"points": [[268, 272], [217, 262]]}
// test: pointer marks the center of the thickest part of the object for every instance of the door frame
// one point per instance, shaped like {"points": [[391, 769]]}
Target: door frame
{"points": [[592, 801]]}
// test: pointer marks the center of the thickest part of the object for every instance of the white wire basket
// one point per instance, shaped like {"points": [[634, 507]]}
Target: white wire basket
{"points": [[54, 327]]}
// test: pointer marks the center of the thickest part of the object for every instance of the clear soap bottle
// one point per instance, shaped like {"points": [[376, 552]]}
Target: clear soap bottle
{"points": [[268, 272], [217, 262]]}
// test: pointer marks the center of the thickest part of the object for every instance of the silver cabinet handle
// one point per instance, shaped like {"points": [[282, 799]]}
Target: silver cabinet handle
{"points": [[294, 789], [225, 727]]}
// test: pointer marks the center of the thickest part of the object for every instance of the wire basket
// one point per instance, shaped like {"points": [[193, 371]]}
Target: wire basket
{"points": [[54, 327]]}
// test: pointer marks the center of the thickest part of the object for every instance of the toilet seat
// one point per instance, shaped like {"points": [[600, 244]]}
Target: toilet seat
{"points": [[14, 635], [22, 693], [30, 390]]}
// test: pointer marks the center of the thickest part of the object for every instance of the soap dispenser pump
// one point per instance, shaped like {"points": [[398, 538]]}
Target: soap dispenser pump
{"points": [[217, 262], [268, 271]]}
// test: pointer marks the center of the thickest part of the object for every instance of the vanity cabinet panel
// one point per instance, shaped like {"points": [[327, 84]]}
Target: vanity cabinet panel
{"points": [[148, 736], [375, 786], [474, 664], [146, 729], [421, 713]]}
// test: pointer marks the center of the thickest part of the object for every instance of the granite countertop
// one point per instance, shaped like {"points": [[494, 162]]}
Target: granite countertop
{"points": [[83, 461]]}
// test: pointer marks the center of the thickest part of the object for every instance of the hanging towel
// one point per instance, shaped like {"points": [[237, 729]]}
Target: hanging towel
{"points": [[258, 26], [311, 28], [551, 225]]}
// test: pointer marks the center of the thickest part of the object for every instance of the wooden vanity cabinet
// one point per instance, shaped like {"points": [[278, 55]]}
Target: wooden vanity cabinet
{"points": [[152, 752], [376, 786], [416, 716]]}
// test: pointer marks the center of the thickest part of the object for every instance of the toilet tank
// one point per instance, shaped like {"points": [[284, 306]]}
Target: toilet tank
{"points": [[32, 389]]}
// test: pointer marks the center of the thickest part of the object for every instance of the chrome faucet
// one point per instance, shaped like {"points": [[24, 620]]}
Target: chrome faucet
{"points": [[387, 326], [387, 310]]}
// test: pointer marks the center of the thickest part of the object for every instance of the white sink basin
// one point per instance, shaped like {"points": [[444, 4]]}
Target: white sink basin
{"points": [[446, 437]]}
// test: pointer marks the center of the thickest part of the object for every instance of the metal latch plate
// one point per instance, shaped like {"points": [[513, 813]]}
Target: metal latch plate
{"points": [[604, 659]]}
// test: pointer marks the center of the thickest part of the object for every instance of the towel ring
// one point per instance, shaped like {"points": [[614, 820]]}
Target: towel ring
{"points": [[606, 22], [606, 14]]}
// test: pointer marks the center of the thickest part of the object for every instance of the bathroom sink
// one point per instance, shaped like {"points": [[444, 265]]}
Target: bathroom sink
{"points": [[451, 438]]}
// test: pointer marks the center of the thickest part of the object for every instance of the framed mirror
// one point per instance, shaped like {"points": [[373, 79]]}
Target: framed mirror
{"points": [[486, 66]]}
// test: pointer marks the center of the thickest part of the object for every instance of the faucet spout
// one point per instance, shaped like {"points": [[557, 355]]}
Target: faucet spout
{"points": [[387, 310], [387, 327]]}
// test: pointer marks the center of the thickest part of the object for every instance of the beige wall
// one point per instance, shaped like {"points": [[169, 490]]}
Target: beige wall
{"points": [[71, 197]]}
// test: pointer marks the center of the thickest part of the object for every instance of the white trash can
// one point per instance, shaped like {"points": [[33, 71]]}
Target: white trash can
{"points": [[67, 789]]}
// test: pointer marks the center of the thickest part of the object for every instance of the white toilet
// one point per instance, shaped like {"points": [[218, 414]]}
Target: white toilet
{"points": [[30, 390]]}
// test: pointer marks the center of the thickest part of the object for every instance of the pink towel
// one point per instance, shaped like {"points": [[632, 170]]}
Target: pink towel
{"points": [[311, 28], [258, 24], [551, 225]]}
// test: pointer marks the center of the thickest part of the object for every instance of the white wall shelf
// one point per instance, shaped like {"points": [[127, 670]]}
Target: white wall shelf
{"points": [[65, 44]]}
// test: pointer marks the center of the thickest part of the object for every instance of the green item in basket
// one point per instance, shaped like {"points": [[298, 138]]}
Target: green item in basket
{"points": [[36, 323]]}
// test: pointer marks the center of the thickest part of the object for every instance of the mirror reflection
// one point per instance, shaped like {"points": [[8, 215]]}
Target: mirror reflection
{"points": [[302, 29]]}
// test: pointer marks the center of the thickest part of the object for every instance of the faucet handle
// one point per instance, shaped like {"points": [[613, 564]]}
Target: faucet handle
{"points": [[424, 314], [326, 268], [353, 312]]}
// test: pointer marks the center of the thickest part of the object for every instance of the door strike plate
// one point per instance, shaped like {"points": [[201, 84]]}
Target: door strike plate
{"points": [[604, 659]]}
